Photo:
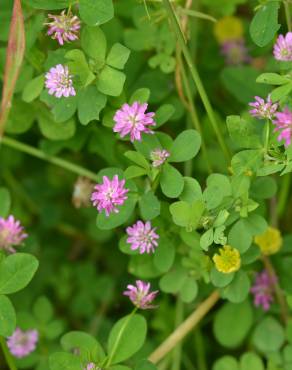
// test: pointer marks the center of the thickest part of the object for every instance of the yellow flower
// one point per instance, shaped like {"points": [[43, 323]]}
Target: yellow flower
{"points": [[270, 241], [228, 28], [228, 260]]}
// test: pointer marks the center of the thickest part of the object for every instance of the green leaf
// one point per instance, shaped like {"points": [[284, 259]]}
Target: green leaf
{"points": [[64, 361], [255, 224], [149, 206], [145, 146], [246, 161], [96, 12], [219, 279], [171, 181], [64, 109], [207, 239], [118, 56], [173, 281], [281, 91], [48, 4], [239, 236], [16, 271], [163, 114], [93, 42], [250, 360], [134, 171], [238, 290], [192, 190], [137, 158], [20, 118], [78, 66], [5, 202], [7, 316], [243, 133], [141, 95], [264, 24], [185, 146], [90, 104], [228, 329], [143, 267], [272, 79], [164, 255], [33, 89], [263, 187], [226, 363], [126, 338], [110, 81], [189, 290], [84, 342], [55, 130], [218, 187], [268, 335], [187, 215], [116, 219]]}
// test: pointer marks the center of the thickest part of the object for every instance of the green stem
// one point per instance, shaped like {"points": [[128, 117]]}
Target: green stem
{"points": [[200, 350], [267, 137], [194, 116], [51, 159], [283, 194], [196, 77], [288, 16], [117, 342], [177, 352], [9, 359]]}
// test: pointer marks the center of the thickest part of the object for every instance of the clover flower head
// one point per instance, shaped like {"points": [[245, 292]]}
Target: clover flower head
{"points": [[59, 82], [140, 294], [235, 52], [283, 47], [91, 366], [82, 191], [109, 195], [283, 123], [11, 233], [63, 27], [263, 289], [263, 109], [22, 343], [142, 236], [132, 120], [159, 156], [228, 260], [270, 241]]}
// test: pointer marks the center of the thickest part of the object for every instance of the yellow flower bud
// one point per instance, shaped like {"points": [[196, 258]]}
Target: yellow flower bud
{"points": [[228, 260], [270, 241], [228, 28]]}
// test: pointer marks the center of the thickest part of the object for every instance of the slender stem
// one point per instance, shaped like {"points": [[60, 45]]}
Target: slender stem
{"points": [[184, 328], [194, 116], [52, 159], [267, 137], [283, 194], [177, 352], [196, 77], [200, 350], [288, 16], [9, 359]]}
